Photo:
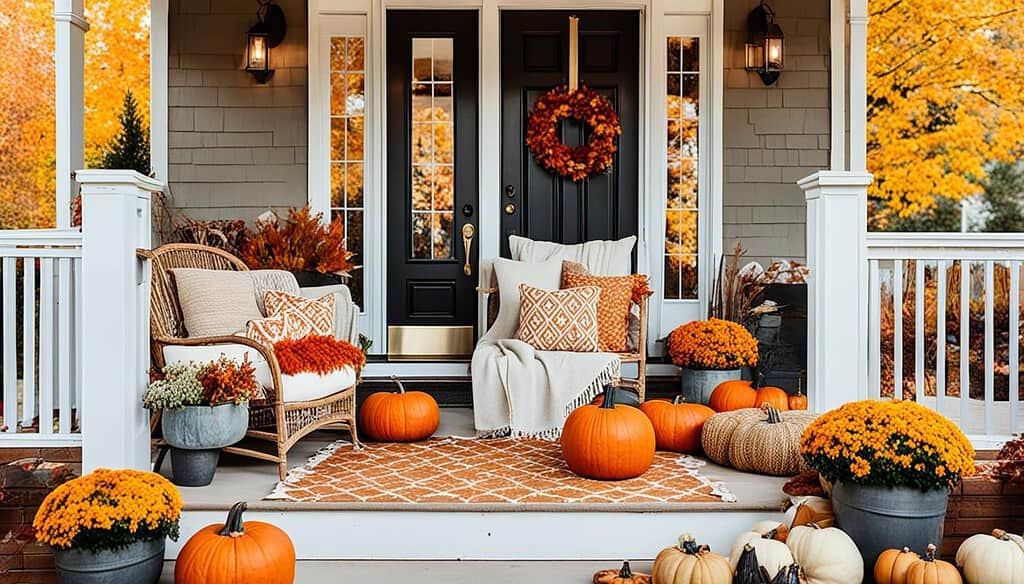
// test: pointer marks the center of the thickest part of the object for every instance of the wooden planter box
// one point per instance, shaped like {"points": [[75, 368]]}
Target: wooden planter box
{"points": [[979, 505]]}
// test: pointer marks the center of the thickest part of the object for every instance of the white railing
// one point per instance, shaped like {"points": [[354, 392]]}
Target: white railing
{"points": [[40, 328], [921, 287]]}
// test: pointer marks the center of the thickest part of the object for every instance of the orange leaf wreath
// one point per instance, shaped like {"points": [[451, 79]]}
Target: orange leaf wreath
{"points": [[587, 106]]}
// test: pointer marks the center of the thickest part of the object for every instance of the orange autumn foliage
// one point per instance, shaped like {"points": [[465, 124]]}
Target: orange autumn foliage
{"points": [[226, 380], [316, 354], [712, 344], [298, 243]]}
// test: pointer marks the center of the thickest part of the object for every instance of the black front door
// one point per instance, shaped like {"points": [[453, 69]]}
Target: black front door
{"points": [[534, 59], [432, 150]]}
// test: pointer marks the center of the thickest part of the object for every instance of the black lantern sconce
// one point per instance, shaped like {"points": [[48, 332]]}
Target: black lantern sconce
{"points": [[267, 33], [765, 44]]}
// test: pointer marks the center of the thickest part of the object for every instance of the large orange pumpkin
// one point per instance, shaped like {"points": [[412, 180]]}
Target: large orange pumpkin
{"points": [[609, 441], [677, 424], [406, 416], [773, 396], [733, 395], [237, 552]]}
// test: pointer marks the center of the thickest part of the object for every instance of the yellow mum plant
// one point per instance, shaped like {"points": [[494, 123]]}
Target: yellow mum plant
{"points": [[108, 510], [712, 344], [888, 444]]}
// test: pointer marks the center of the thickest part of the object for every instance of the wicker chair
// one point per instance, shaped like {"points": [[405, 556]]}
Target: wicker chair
{"points": [[270, 419]]}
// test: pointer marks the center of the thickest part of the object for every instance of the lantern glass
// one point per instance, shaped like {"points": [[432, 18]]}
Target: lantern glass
{"points": [[258, 53], [754, 57], [774, 50]]}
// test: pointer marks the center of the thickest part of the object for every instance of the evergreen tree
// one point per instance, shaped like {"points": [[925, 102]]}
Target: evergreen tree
{"points": [[130, 147], [1004, 189]]}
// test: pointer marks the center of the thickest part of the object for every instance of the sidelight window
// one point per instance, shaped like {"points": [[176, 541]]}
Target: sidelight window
{"points": [[682, 156]]}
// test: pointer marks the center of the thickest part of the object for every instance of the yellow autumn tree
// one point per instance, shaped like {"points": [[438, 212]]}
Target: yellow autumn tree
{"points": [[945, 98]]}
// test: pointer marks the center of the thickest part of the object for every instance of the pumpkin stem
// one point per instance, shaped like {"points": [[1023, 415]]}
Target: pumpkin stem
{"points": [[771, 534], [774, 417], [688, 545], [398, 382], [1000, 534], [930, 556], [234, 526], [906, 550], [625, 572], [679, 399], [609, 398]]}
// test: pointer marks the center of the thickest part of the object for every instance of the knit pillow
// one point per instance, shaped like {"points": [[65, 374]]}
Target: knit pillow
{"points": [[318, 314], [612, 310], [215, 302], [559, 320]]}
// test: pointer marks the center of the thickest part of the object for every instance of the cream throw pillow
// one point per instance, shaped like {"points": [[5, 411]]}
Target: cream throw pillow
{"points": [[510, 274], [215, 302], [559, 320], [601, 257]]}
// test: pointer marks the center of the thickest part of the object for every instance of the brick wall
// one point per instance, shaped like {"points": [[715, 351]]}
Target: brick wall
{"points": [[979, 505], [774, 135], [235, 147], [25, 480]]}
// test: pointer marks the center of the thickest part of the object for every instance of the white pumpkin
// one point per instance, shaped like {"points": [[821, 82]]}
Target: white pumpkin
{"points": [[772, 555], [819, 505], [781, 530], [992, 559], [827, 555]]}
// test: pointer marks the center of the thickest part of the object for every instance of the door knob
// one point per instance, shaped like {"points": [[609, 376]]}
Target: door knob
{"points": [[468, 231], [510, 208]]}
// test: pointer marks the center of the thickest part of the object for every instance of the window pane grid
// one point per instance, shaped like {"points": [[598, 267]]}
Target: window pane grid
{"points": [[682, 157], [347, 124]]}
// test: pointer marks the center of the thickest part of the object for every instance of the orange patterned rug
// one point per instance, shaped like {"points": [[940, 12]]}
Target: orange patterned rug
{"points": [[457, 471]]}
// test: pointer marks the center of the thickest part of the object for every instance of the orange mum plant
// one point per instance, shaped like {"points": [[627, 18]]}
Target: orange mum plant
{"points": [[712, 344], [108, 510], [316, 354], [889, 444], [300, 243]]}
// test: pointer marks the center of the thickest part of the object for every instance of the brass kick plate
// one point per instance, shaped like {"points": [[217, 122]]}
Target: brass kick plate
{"points": [[430, 342]]}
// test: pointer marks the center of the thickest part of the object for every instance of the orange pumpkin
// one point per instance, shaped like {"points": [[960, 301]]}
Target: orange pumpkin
{"points": [[677, 424], [623, 575], [609, 441], [733, 395], [237, 552], [773, 396], [798, 401], [929, 570], [399, 417], [892, 566]]}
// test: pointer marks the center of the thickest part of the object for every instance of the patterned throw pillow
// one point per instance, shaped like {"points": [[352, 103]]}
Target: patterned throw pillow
{"points": [[318, 314], [272, 329], [612, 310], [559, 320]]}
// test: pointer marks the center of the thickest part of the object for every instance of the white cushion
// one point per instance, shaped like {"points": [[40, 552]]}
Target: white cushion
{"points": [[510, 274], [602, 258], [311, 386], [179, 354]]}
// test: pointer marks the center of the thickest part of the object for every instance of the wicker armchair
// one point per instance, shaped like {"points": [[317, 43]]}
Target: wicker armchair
{"points": [[271, 419]]}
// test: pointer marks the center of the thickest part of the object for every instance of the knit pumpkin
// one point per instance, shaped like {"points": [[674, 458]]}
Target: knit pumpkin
{"points": [[770, 444], [716, 436]]}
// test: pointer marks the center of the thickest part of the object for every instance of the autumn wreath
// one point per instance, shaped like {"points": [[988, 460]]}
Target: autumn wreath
{"points": [[583, 104]]}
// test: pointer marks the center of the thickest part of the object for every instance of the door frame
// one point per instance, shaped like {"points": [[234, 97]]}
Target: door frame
{"points": [[370, 17]]}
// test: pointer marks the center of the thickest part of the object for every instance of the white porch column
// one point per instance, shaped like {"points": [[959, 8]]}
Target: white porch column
{"points": [[69, 45], [858, 84], [115, 317], [837, 287]]}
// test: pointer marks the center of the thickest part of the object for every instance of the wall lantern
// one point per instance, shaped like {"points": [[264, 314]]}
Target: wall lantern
{"points": [[764, 48], [267, 33]]}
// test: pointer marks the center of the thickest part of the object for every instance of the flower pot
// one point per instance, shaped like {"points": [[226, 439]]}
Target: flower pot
{"points": [[196, 434], [880, 518], [194, 468], [696, 385], [139, 563]]}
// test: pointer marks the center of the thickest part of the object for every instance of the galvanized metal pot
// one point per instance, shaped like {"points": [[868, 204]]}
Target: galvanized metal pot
{"points": [[139, 563], [696, 385], [196, 434], [880, 518]]}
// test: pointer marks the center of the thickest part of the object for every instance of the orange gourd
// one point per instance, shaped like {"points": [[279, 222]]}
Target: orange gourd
{"points": [[237, 552], [733, 395], [773, 396], [798, 401], [623, 575], [677, 424], [929, 570], [609, 441], [892, 566], [406, 416]]}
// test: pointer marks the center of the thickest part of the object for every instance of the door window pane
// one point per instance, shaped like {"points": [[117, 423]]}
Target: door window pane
{"points": [[682, 102], [348, 105], [433, 149]]}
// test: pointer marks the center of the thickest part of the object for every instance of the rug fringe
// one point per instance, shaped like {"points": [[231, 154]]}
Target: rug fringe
{"points": [[304, 470], [692, 466]]}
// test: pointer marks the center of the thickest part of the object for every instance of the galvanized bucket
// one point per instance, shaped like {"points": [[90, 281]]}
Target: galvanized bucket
{"points": [[205, 427], [880, 518], [696, 385], [139, 563]]}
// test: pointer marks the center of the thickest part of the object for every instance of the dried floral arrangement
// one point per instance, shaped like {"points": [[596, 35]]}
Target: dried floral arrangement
{"points": [[299, 243], [317, 354], [736, 288], [226, 234], [190, 384], [1010, 467]]}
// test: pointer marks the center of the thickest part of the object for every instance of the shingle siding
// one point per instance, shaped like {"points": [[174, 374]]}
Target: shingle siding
{"points": [[774, 135]]}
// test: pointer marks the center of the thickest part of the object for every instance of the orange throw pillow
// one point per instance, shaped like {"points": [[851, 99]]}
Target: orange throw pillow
{"points": [[612, 310], [559, 320]]}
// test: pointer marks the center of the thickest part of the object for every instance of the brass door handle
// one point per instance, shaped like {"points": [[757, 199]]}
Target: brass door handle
{"points": [[468, 231]]}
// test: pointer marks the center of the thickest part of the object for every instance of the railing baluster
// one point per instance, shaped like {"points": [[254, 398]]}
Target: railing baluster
{"points": [[919, 391], [875, 330], [10, 298], [940, 334], [46, 346], [897, 307], [28, 346], [77, 367], [990, 392], [64, 344], [965, 341], [1014, 342]]}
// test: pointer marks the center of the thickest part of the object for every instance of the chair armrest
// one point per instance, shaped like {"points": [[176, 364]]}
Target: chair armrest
{"points": [[266, 352]]}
